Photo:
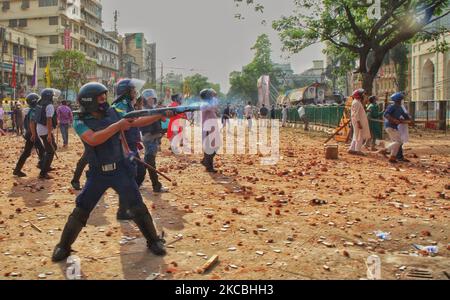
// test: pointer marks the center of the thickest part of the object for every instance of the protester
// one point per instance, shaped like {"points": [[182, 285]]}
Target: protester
{"points": [[263, 112], [303, 117], [2, 116], [248, 113], [374, 115], [176, 123], [18, 117], [65, 119], [284, 116], [272, 112], [360, 123], [226, 117]]}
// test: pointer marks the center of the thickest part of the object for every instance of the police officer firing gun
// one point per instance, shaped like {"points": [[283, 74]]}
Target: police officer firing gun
{"points": [[99, 127]]}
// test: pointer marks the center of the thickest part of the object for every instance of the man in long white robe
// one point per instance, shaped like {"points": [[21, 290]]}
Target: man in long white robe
{"points": [[360, 123]]}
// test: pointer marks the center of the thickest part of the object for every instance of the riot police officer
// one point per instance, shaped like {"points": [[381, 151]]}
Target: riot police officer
{"points": [[127, 94], [99, 127], [31, 140], [151, 136], [45, 118]]}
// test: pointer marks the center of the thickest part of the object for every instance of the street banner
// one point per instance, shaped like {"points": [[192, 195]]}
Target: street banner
{"points": [[67, 39]]}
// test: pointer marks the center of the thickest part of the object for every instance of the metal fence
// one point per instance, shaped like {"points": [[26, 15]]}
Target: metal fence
{"points": [[328, 116], [429, 115]]}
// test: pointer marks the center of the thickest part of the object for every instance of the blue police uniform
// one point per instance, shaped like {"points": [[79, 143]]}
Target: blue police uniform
{"points": [[133, 136], [108, 166], [152, 140], [29, 144]]}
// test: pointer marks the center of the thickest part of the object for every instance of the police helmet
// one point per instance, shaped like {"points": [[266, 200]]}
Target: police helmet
{"points": [[32, 99], [399, 96], [149, 93], [87, 96], [208, 94]]}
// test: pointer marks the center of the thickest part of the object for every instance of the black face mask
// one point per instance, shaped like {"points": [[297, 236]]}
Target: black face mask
{"points": [[103, 107]]}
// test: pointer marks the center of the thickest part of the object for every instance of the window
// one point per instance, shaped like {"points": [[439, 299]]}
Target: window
{"points": [[44, 3], [53, 39], [53, 21], [5, 48], [5, 5], [16, 50], [13, 23], [23, 22], [25, 4], [30, 53], [43, 61]]}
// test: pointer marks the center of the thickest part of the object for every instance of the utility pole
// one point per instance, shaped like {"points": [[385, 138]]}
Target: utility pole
{"points": [[161, 80]]}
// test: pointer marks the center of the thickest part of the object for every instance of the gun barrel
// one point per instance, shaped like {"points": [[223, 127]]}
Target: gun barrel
{"points": [[160, 111]]}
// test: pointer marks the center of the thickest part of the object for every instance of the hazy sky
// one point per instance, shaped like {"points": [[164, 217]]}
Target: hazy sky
{"points": [[204, 35]]}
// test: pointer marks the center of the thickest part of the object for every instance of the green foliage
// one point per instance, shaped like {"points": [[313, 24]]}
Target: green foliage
{"points": [[346, 25], [70, 69], [194, 84], [244, 83]]}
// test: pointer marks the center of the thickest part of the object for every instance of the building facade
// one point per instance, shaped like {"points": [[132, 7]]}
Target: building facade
{"points": [[430, 77], [65, 24], [144, 54], [20, 48]]}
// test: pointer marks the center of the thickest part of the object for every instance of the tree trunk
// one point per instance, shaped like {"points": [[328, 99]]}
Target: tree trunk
{"points": [[367, 83], [442, 115]]}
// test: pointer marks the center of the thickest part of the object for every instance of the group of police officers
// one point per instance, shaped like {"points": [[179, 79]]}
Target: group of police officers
{"points": [[111, 145]]}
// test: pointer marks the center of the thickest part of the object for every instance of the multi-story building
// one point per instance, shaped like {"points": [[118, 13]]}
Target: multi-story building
{"points": [[65, 24], [135, 45], [430, 77], [20, 48]]}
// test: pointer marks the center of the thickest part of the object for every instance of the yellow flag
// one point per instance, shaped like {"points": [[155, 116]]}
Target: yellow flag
{"points": [[48, 80]]}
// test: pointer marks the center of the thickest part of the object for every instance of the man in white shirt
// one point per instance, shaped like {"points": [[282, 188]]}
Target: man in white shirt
{"points": [[248, 112], [46, 122], [360, 123], [303, 118]]}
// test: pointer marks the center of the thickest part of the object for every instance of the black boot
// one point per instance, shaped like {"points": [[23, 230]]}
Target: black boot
{"points": [[19, 173], [18, 170], [76, 185], [143, 220], [209, 163], [77, 220]]}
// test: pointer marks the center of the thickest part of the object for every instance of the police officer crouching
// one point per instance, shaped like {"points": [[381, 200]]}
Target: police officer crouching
{"points": [[99, 127]]}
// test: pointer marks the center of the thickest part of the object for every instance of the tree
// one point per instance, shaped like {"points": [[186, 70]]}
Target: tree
{"points": [[70, 69], [194, 84], [244, 83], [346, 25]]}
